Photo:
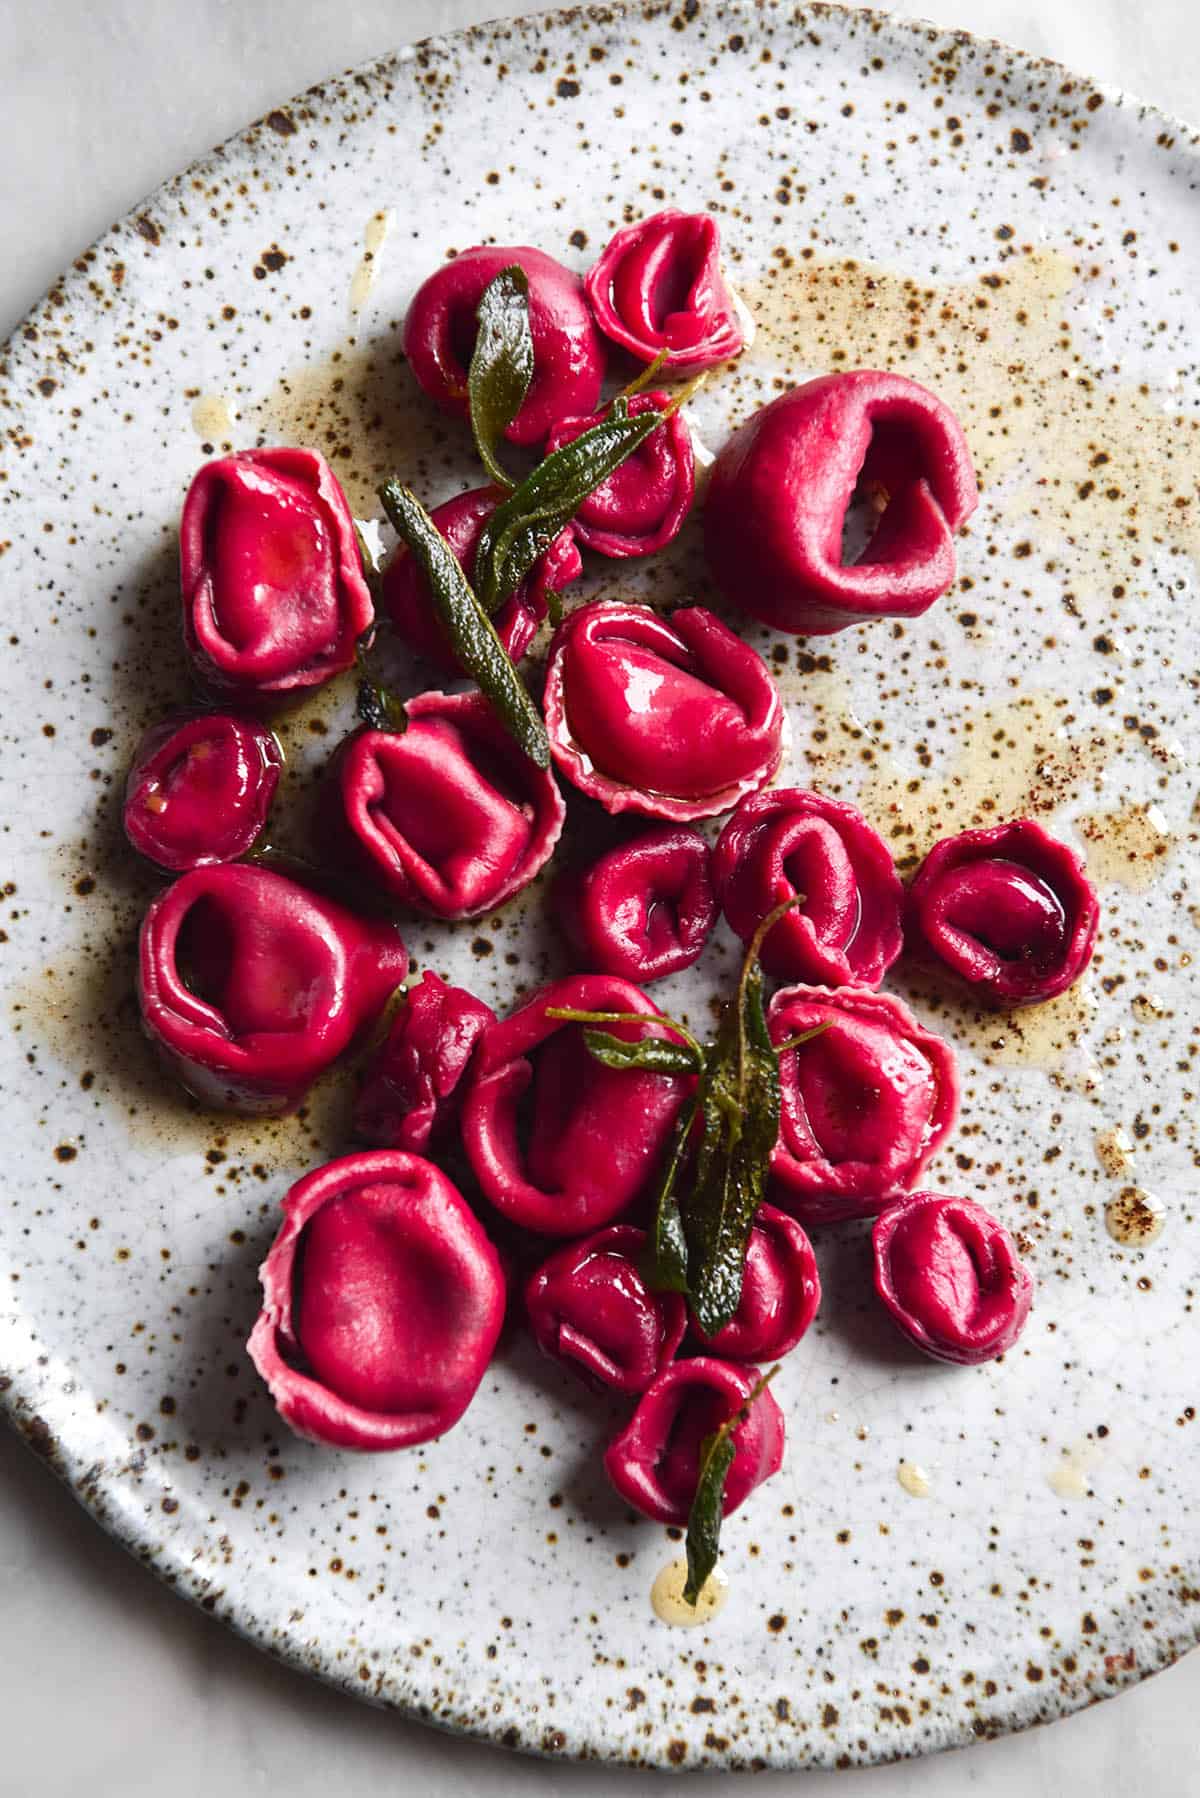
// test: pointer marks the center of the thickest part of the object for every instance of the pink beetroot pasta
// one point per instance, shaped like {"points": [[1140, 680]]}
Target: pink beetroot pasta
{"points": [[461, 520], [643, 909], [1009, 910], [673, 718], [558, 1142], [781, 843], [250, 986], [449, 817], [382, 1303], [654, 1461], [659, 288], [590, 1309], [781, 1291], [200, 788], [951, 1277], [410, 1090], [440, 330], [780, 489], [274, 599], [865, 1105], [641, 507]]}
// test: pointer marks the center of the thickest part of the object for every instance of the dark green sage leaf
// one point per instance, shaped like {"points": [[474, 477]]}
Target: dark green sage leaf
{"points": [[742, 1105], [501, 365], [653, 1054], [704, 1519], [377, 706], [666, 1259], [471, 632], [524, 525]]}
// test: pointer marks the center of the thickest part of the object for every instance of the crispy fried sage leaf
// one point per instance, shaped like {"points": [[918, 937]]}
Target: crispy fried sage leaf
{"points": [[501, 365], [377, 706], [471, 632], [699, 1237], [524, 525], [704, 1519], [652, 1053]]}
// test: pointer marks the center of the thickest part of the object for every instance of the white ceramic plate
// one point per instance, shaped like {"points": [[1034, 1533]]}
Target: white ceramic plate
{"points": [[888, 194]]}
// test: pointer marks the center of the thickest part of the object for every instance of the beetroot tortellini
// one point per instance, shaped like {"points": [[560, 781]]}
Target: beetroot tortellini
{"points": [[951, 1277], [461, 520], [787, 841], [780, 489], [568, 352], [589, 1307], [654, 1462], [644, 909], [671, 718], [641, 507], [274, 599], [558, 1142], [659, 287], [200, 789], [1009, 910], [449, 817], [251, 986], [781, 1291], [864, 1106], [382, 1302], [410, 1091]]}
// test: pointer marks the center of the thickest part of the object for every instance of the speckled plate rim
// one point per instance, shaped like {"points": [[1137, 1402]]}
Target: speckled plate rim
{"points": [[102, 1498]]}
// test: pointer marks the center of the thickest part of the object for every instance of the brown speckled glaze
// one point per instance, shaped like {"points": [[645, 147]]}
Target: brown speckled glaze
{"points": [[888, 193]]}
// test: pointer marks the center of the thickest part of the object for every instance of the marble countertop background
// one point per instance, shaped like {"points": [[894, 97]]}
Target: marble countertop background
{"points": [[107, 1682]]}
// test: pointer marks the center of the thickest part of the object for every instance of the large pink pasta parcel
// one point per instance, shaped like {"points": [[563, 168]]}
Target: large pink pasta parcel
{"points": [[412, 1086], [449, 816], [590, 1308], [659, 289], [775, 511], [654, 1462], [200, 788], [557, 1141], [864, 1106], [251, 985], [274, 599], [951, 1277], [789, 843], [644, 908], [1008, 909], [568, 352], [673, 718], [382, 1302]]}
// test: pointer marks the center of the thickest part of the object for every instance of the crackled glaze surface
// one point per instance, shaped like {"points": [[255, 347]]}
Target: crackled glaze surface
{"points": [[888, 195]]}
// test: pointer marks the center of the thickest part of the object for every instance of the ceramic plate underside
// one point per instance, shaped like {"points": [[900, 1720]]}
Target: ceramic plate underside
{"points": [[890, 195]]}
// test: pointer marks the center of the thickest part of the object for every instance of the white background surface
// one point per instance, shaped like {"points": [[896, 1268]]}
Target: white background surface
{"points": [[107, 1683]]}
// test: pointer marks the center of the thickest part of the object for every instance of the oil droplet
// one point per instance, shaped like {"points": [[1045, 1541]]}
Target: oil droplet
{"points": [[1129, 846], [1146, 1007], [1069, 1475], [212, 419], [1135, 1217], [378, 228], [1115, 1151], [666, 1596], [914, 1479]]}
